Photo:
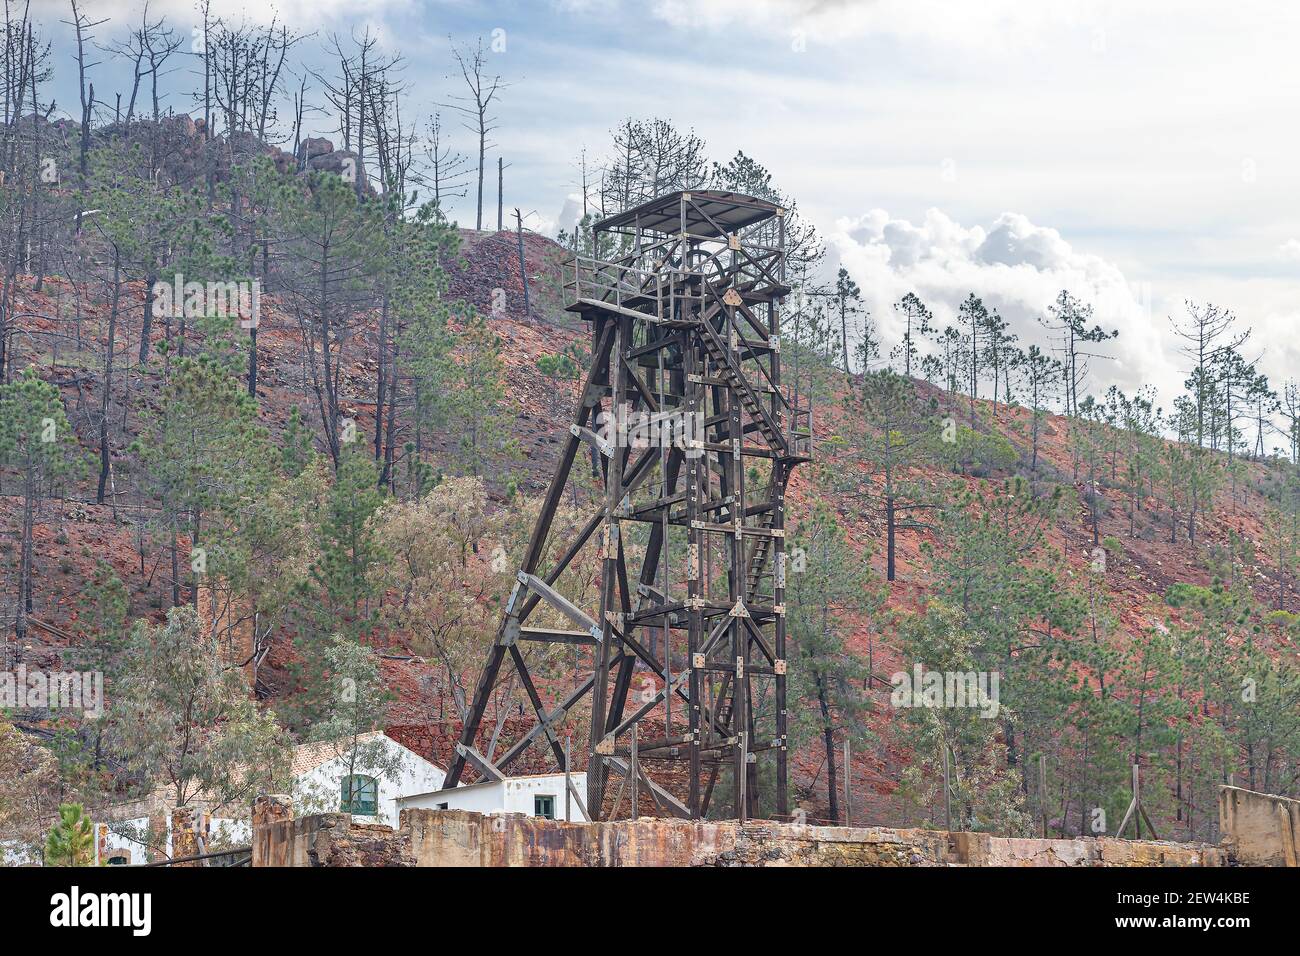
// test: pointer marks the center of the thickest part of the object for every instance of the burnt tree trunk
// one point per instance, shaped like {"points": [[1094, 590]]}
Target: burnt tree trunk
{"points": [[252, 361], [828, 739], [146, 326], [104, 457], [890, 526]]}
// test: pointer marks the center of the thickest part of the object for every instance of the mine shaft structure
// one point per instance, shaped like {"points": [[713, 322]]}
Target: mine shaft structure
{"points": [[684, 422]]}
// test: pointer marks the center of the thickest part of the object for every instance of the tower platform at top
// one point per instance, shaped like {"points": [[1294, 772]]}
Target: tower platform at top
{"points": [[660, 260]]}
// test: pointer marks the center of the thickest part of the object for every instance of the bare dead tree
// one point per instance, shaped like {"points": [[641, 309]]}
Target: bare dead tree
{"points": [[134, 49], [447, 168], [274, 51], [201, 47], [246, 67], [583, 181], [83, 25], [650, 158], [394, 144], [474, 107], [364, 79], [302, 108], [22, 203], [43, 171], [160, 42], [392, 138]]}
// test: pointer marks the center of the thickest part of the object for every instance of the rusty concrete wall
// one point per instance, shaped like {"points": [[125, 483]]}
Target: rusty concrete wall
{"points": [[458, 838], [775, 844], [982, 849], [1259, 829], [285, 842], [463, 838], [329, 839]]}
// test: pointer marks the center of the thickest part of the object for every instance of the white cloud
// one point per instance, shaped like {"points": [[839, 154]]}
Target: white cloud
{"points": [[569, 215], [990, 26], [1017, 268], [304, 15], [1290, 249]]}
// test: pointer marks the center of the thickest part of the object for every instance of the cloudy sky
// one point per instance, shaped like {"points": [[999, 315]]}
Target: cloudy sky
{"points": [[1138, 154]]}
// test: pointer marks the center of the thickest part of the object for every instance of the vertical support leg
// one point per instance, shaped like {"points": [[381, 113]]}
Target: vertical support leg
{"points": [[611, 572], [634, 772], [737, 585], [779, 649], [694, 582]]}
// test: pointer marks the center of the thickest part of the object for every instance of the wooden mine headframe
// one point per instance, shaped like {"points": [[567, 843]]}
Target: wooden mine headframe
{"points": [[684, 419]]}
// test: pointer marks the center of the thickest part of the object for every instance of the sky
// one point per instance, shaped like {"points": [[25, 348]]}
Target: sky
{"points": [[1138, 154]]}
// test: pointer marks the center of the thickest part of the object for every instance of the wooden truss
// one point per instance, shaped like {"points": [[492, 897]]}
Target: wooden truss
{"points": [[684, 310]]}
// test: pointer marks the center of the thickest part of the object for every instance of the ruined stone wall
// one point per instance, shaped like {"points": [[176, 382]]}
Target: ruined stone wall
{"points": [[463, 838], [982, 849], [1259, 829], [329, 839]]}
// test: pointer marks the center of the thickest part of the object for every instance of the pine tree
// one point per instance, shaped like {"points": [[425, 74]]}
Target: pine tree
{"points": [[828, 680], [916, 323], [983, 780], [331, 260], [1282, 531], [1203, 330], [898, 437], [475, 402], [1089, 432], [1041, 374], [1139, 422], [208, 458], [106, 604], [848, 302], [990, 567], [563, 366], [974, 318], [998, 347], [413, 333], [296, 451], [1090, 722], [347, 544], [1069, 318], [37, 442], [71, 841]]}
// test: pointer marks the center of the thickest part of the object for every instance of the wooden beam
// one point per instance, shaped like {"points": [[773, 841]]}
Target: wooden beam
{"points": [[666, 799], [480, 763]]}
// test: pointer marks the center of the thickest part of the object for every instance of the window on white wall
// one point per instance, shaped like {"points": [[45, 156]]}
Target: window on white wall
{"points": [[544, 807], [360, 795]]}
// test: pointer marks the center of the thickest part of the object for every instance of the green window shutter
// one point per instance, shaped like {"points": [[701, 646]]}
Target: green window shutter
{"points": [[360, 795]]}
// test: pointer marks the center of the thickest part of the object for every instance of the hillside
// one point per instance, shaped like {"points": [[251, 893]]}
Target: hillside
{"points": [[72, 533]]}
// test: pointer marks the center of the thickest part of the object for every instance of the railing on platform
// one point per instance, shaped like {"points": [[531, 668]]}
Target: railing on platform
{"points": [[636, 281]]}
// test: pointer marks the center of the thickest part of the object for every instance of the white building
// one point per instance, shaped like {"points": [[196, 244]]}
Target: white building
{"points": [[368, 780], [536, 795], [125, 831], [374, 780], [328, 777]]}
